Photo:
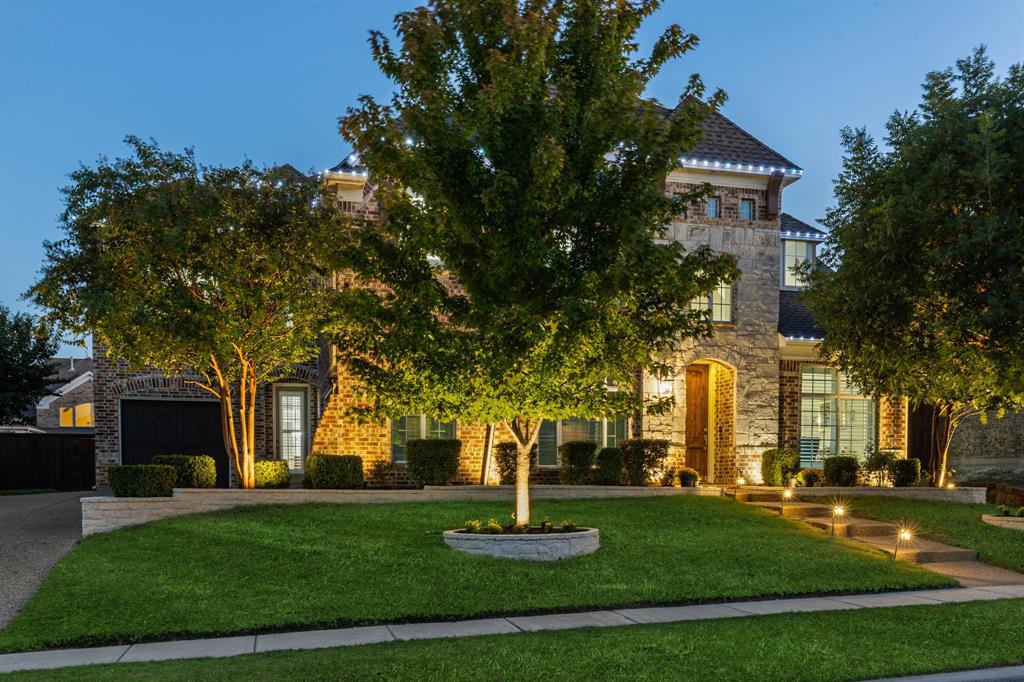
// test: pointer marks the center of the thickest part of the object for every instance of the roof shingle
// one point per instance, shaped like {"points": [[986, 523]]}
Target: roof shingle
{"points": [[795, 320]]}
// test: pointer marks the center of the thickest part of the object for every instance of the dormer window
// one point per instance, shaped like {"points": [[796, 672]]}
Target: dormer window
{"points": [[746, 209], [711, 210], [795, 253]]}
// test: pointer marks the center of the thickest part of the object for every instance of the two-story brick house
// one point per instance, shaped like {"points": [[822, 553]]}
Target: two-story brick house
{"points": [[755, 385]]}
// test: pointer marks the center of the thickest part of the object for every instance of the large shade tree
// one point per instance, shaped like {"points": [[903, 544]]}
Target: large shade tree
{"points": [[923, 295], [521, 266], [26, 368], [204, 271]]}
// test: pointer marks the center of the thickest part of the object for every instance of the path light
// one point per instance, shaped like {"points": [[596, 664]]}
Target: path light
{"points": [[838, 512], [950, 485], [903, 536], [787, 496], [740, 481]]}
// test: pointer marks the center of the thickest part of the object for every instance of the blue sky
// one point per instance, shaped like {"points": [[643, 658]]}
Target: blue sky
{"points": [[267, 81]]}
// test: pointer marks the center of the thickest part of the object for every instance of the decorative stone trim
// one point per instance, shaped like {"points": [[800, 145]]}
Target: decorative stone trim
{"points": [[1012, 522], [547, 547], [963, 495], [104, 514]]}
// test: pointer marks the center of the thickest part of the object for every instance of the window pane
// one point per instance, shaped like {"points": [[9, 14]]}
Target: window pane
{"points": [[291, 427], [817, 430], [794, 253], [616, 432], [817, 379], [581, 429], [67, 416], [440, 430], [712, 207], [746, 209], [403, 429], [83, 414], [856, 426], [721, 303], [547, 445]]}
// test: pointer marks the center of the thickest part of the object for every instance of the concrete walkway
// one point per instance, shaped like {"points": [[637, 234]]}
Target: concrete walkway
{"points": [[1013, 673], [35, 532], [320, 639]]}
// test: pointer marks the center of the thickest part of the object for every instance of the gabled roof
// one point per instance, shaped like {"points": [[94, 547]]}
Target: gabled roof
{"points": [[795, 320], [58, 391], [794, 227]]}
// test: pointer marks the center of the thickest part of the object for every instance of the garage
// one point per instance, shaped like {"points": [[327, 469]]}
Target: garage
{"points": [[172, 427]]}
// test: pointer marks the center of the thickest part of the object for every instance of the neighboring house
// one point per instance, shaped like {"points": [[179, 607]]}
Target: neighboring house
{"points": [[755, 385], [70, 406]]}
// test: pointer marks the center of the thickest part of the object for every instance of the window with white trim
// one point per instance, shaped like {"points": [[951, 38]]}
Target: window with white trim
{"points": [[711, 207], [835, 418], [290, 413], [795, 253], [413, 427], [719, 302], [605, 433]]}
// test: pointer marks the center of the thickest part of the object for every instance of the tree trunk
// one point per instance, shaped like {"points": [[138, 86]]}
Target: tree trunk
{"points": [[240, 441], [946, 417], [525, 432]]}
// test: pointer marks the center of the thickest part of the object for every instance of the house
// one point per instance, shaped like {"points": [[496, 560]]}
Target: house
{"points": [[757, 384], [70, 405]]}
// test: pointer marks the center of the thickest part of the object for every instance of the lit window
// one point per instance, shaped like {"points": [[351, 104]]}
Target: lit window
{"points": [[605, 433], [719, 302], [67, 416], [291, 426], [795, 253], [711, 209], [746, 209], [413, 427], [835, 419], [83, 415]]}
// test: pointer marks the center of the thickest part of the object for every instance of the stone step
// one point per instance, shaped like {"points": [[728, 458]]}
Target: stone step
{"points": [[759, 495], [854, 527], [920, 551], [796, 510]]}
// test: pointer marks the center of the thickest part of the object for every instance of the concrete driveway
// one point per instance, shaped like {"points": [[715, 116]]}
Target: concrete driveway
{"points": [[35, 531]]}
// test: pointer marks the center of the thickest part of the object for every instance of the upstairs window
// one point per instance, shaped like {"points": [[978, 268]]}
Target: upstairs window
{"points": [[719, 302], [415, 426], [795, 253], [711, 209], [746, 209], [78, 416]]}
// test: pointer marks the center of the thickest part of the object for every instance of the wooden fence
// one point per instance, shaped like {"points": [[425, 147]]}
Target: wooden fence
{"points": [[47, 460]]}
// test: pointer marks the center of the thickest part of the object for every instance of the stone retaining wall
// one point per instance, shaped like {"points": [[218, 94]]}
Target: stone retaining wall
{"points": [[963, 495], [104, 514]]}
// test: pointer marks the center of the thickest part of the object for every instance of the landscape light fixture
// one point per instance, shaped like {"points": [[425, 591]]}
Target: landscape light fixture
{"points": [[787, 496], [838, 512], [903, 536]]}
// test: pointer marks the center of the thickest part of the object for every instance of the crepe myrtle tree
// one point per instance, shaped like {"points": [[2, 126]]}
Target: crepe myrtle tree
{"points": [[520, 266], [204, 271], [922, 293]]}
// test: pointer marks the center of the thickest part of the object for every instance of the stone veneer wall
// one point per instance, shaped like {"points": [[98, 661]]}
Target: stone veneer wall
{"points": [[891, 417], [994, 448], [749, 345]]}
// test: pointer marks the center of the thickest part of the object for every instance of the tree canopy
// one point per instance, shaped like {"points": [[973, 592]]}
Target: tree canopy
{"points": [[193, 269], [26, 349], [521, 263], [921, 295]]}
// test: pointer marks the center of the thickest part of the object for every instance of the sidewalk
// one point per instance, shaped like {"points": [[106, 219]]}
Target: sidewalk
{"points": [[320, 639]]}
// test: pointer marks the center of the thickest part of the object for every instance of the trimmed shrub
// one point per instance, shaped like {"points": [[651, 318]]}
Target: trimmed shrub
{"points": [[905, 472], [642, 457], [689, 478], [810, 477], [577, 460], [609, 467], [841, 470], [194, 471], [142, 480], [334, 471], [505, 458], [432, 461], [778, 465], [879, 463], [272, 473]]}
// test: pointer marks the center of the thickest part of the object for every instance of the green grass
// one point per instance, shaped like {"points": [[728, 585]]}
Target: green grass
{"points": [[955, 524], [847, 645], [327, 566]]}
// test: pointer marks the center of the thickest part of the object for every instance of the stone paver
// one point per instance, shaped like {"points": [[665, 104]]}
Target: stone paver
{"points": [[323, 639], [567, 621], [977, 574], [190, 648], [319, 639], [1009, 674], [61, 658], [462, 628]]}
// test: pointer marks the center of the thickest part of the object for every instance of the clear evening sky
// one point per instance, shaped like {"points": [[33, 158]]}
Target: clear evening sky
{"points": [[267, 81]]}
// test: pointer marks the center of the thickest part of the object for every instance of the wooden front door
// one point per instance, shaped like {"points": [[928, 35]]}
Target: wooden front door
{"points": [[697, 418]]}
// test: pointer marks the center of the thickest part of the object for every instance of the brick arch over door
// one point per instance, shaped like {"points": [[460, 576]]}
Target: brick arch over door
{"points": [[158, 385]]}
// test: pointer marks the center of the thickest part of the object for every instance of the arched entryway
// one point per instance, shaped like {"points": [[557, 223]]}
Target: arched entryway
{"points": [[710, 429]]}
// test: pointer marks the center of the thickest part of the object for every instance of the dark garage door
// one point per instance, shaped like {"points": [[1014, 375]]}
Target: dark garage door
{"points": [[172, 427]]}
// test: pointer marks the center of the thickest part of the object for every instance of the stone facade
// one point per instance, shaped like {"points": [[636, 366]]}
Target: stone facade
{"points": [[995, 447]]}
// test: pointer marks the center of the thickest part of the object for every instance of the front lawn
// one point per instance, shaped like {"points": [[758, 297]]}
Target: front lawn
{"points": [[955, 524], [326, 566], [845, 645]]}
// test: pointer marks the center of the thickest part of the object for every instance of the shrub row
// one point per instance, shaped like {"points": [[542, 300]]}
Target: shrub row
{"points": [[433, 461], [193, 471], [844, 470], [272, 473], [326, 472], [142, 480], [779, 465]]}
